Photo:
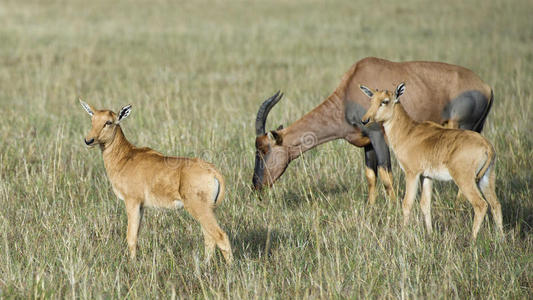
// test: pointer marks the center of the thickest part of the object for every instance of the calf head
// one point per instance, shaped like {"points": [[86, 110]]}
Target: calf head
{"points": [[104, 124], [381, 103]]}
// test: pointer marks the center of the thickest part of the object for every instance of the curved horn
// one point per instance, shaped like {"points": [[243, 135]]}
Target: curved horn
{"points": [[263, 111]]}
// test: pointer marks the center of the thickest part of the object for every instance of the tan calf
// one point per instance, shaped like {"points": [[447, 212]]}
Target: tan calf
{"points": [[143, 177], [429, 150]]}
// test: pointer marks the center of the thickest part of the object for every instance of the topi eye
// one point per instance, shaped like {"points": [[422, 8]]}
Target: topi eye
{"points": [[107, 123], [385, 102]]}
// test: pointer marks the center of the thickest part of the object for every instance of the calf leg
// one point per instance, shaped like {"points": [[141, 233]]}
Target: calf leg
{"points": [[134, 212], [210, 244], [425, 202], [411, 187], [488, 188], [213, 234], [469, 188], [454, 124], [467, 111]]}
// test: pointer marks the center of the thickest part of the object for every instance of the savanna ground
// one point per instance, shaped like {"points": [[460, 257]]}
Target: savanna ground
{"points": [[196, 74]]}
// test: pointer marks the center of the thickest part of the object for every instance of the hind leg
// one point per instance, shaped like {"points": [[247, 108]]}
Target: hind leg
{"points": [[213, 234], [454, 124], [488, 188], [467, 111], [468, 186], [210, 245]]}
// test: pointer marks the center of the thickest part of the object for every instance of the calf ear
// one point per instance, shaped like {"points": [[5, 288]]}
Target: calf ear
{"points": [[124, 113], [367, 91], [400, 89], [87, 107]]}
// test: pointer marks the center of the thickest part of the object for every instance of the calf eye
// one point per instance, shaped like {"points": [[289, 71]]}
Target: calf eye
{"points": [[384, 102], [107, 123]]}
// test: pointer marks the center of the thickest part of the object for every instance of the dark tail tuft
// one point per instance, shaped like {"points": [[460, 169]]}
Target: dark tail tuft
{"points": [[219, 195], [218, 191]]}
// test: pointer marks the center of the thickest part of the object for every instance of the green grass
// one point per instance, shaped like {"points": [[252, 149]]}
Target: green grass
{"points": [[196, 74]]}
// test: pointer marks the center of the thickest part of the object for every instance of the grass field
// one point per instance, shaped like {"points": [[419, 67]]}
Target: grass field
{"points": [[195, 74]]}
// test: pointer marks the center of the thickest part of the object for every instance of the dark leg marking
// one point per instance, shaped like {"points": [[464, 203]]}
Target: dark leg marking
{"points": [[371, 172], [469, 109], [371, 160], [382, 149]]}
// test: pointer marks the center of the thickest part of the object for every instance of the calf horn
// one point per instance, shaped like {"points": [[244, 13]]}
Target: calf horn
{"points": [[263, 113]]}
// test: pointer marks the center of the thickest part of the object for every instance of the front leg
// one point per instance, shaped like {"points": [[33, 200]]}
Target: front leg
{"points": [[386, 178], [411, 186], [370, 172], [134, 212], [376, 154], [384, 162], [425, 202]]}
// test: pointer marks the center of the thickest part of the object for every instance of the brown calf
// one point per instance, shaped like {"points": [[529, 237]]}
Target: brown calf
{"points": [[143, 177]]}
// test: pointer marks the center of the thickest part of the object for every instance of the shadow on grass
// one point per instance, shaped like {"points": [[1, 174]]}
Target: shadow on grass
{"points": [[297, 197], [517, 208], [253, 243]]}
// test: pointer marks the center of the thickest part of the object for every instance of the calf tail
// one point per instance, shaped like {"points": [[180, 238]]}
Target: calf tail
{"points": [[491, 157]]}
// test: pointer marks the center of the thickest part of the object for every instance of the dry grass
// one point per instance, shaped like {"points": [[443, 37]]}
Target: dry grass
{"points": [[195, 74]]}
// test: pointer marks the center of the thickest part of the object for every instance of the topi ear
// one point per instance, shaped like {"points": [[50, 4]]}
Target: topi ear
{"points": [[87, 107], [367, 91], [400, 89], [277, 137], [124, 113]]}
